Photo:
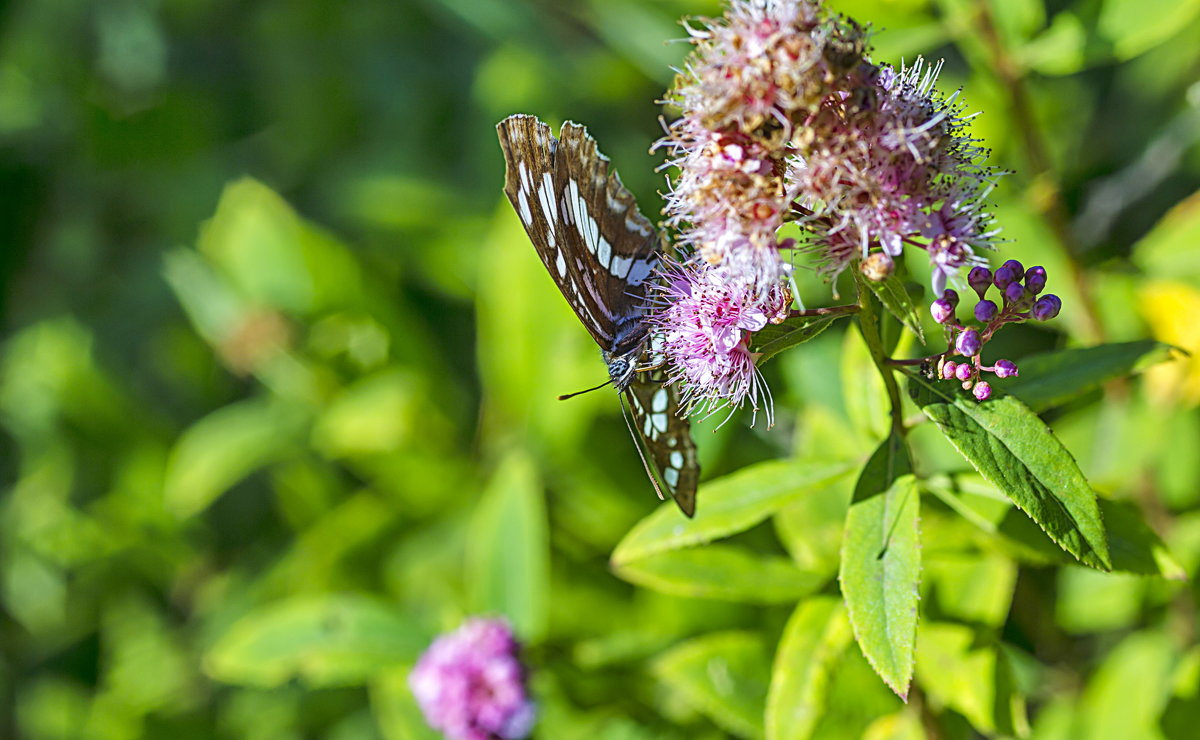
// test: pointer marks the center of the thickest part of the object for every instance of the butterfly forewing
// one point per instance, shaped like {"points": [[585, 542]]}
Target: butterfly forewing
{"points": [[664, 438], [600, 251], [585, 225]]}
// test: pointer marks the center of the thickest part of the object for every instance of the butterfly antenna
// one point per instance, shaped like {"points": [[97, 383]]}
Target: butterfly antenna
{"points": [[637, 446], [580, 393]]}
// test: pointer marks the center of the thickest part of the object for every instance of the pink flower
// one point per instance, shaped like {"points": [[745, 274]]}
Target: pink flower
{"points": [[470, 684], [704, 320]]}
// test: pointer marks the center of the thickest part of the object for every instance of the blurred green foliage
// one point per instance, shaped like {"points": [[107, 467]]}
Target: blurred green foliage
{"points": [[279, 365]]}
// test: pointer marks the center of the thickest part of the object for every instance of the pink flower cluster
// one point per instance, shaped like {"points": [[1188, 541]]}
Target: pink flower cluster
{"points": [[470, 684], [704, 322], [889, 165]]}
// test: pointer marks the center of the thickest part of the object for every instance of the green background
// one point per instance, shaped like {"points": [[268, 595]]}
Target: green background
{"points": [[278, 374]]}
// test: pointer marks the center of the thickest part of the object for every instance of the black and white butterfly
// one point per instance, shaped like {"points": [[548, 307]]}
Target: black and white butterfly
{"points": [[600, 251]]}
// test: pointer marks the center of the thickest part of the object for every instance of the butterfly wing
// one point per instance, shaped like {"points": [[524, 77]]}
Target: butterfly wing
{"points": [[585, 225], [663, 438]]}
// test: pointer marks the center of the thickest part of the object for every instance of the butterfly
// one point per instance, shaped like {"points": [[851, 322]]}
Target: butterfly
{"points": [[601, 252]]}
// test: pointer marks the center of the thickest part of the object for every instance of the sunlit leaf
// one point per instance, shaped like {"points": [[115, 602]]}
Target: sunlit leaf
{"points": [[722, 675], [775, 338], [815, 637], [1127, 693], [508, 549], [901, 299], [1015, 450], [722, 572], [1136, 26], [881, 562], [729, 505], [810, 528], [324, 640], [974, 679]]}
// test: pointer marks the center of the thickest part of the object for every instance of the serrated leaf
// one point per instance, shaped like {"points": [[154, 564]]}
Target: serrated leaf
{"points": [[1053, 378], [508, 549], [722, 572], [732, 504], [900, 298], [814, 638], [324, 640], [1015, 450], [880, 571], [1135, 547], [723, 676], [775, 338]]}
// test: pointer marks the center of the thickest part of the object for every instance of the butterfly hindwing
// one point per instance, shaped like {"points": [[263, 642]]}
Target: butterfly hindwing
{"points": [[664, 438]]}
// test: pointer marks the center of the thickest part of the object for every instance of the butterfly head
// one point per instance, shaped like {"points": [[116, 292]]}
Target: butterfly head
{"points": [[620, 370]]}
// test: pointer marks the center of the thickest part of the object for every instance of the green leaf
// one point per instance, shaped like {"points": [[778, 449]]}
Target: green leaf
{"points": [[881, 563], [977, 589], [1053, 378], [971, 678], [722, 572], [886, 465], [775, 338], [1169, 250], [1015, 450], [324, 640], [864, 394], [813, 640], [1128, 692], [900, 298], [723, 676], [810, 528], [1136, 26], [508, 549], [1136, 548], [394, 708], [732, 504], [226, 446]]}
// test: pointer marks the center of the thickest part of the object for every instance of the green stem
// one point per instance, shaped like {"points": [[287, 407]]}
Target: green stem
{"points": [[846, 310], [868, 325]]}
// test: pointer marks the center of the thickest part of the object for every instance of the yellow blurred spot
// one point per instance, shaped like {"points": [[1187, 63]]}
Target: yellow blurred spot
{"points": [[1171, 309]]}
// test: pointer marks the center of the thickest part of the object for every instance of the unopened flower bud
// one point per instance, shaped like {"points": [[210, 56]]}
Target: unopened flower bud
{"points": [[948, 369], [951, 297], [1004, 276], [942, 310], [969, 343], [985, 310], [1006, 369], [1014, 292], [980, 279], [1047, 307], [1017, 268], [877, 267], [982, 391], [1035, 279], [963, 371]]}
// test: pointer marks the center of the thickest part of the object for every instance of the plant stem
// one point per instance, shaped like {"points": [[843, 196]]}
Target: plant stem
{"points": [[848, 309], [868, 325]]}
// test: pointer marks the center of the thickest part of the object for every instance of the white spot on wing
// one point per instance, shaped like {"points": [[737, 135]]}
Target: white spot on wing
{"points": [[620, 266], [671, 475], [634, 224], [561, 264], [659, 401], [523, 207], [660, 421], [648, 428], [523, 171], [640, 271], [604, 252], [677, 459], [546, 196]]}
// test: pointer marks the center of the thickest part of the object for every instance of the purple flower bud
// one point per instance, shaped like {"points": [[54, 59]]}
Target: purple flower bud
{"points": [[948, 369], [964, 371], [1004, 276], [951, 297], [980, 279], [1047, 307], [982, 391], [1006, 369], [1035, 279], [942, 310], [470, 684], [1017, 268], [985, 310], [969, 343], [1014, 292]]}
